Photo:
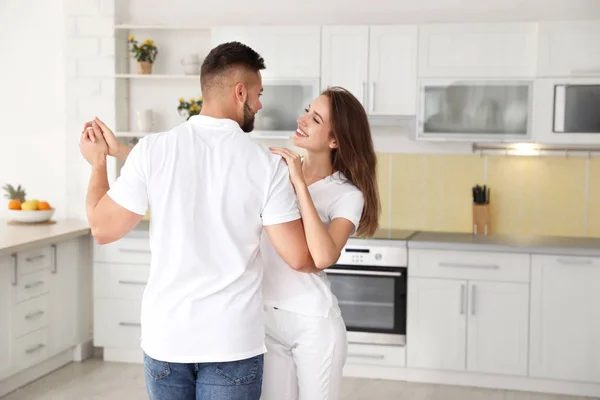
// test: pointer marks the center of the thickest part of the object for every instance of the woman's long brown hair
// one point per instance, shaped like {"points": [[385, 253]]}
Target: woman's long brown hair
{"points": [[355, 155]]}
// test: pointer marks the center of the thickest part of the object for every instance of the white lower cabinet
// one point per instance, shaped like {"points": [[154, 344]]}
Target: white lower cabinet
{"points": [[497, 332], [41, 293], [457, 323], [121, 271], [565, 318], [437, 324], [366, 354]]}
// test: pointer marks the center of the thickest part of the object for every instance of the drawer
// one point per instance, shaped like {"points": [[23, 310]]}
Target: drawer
{"points": [[125, 251], [30, 316], [365, 354], [117, 323], [122, 281], [35, 260], [32, 285], [31, 349], [495, 266]]}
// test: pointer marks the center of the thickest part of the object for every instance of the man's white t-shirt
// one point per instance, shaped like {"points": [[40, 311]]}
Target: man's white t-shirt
{"points": [[310, 294], [210, 188]]}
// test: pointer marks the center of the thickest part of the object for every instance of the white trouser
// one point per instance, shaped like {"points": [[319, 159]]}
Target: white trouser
{"points": [[305, 356]]}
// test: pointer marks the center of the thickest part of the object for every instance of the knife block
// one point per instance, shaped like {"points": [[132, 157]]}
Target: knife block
{"points": [[481, 219]]}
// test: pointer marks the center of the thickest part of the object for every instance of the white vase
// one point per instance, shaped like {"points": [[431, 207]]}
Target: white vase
{"points": [[191, 64], [144, 120]]}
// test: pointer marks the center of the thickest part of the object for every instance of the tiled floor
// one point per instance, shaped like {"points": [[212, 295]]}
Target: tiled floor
{"points": [[97, 380]]}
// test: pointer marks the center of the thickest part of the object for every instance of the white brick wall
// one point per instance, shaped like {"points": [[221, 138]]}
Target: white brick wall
{"points": [[90, 48]]}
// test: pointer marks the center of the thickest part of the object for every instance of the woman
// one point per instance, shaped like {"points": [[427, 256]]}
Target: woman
{"points": [[337, 193]]}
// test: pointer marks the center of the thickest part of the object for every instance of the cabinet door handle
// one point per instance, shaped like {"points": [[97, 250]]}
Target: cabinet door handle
{"points": [[35, 314], [372, 98], [54, 265], [15, 270], [35, 348], [459, 265], [574, 261], [130, 324], [34, 258], [473, 299], [141, 283], [462, 299], [364, 93], [34, 284], [134, 251], [368, 356]]}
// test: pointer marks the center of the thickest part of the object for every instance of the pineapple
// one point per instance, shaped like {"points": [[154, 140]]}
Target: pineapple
{"points": [[14, 194]]}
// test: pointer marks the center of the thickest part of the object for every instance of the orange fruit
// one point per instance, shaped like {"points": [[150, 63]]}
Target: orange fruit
{"points": [[14, 205], [43, 205]]}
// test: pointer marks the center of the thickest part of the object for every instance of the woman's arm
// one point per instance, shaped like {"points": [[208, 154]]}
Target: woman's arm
{"points": [[324, 244]]}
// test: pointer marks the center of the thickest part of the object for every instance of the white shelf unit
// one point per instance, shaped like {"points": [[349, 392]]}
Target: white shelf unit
{"points": [[161, 90]]}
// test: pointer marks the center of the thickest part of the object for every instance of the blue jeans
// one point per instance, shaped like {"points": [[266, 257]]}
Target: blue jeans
{"points": [[234, 380]]}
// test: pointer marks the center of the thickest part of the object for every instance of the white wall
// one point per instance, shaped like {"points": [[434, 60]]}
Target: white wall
{"points": [[32, 99]]}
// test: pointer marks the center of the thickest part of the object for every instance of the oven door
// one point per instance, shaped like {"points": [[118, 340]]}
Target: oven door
{"points": [[372, 301]]}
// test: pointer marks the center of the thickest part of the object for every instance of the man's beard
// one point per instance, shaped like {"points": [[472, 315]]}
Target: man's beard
{"points": [[248, 122]]}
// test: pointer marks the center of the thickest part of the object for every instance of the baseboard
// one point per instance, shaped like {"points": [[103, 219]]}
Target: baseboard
{"points": [[22, 378], [473, 380], [83, 351], [135, 356]]}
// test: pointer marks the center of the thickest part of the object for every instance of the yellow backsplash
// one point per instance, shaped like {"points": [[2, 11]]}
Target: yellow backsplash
{"points": [[529, 195]]}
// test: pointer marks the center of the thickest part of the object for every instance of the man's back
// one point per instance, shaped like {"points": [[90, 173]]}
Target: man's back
{"points": [[210, 189]]}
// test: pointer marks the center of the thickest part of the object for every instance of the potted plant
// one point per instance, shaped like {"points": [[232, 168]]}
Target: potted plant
{"points": [[189, 108], [145, 54]]}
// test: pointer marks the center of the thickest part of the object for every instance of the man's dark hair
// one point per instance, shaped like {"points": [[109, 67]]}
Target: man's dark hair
{"points": [[226, 56]]}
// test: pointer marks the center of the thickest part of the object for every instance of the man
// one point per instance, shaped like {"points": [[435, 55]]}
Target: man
{"points": [[211, 190]]}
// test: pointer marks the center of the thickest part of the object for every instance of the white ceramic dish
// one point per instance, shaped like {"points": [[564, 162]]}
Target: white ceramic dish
{"points": [[30, 215]]}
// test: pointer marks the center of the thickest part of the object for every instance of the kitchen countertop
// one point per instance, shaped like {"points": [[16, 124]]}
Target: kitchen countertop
{"points": [[553, 245], [14, 238]]}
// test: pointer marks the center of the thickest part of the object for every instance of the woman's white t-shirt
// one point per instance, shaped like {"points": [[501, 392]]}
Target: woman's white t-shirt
{"points": [[304, 293]]}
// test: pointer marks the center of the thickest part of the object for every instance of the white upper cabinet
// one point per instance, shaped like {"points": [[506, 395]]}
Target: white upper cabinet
{"points": [[289, 52], [392, 70], [345, 59], [477, 50], [377, 64], [569, 49]]}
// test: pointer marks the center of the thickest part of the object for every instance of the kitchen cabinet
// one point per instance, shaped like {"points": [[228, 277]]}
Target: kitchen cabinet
{"points": [[468, 311], [377, 64], [565, 318], [121, 271], [497, 328], [6, 285], [436, 324], [289, 52], [569, 48], [479, 50], [345, 59], [392, 70], [64, 295]]}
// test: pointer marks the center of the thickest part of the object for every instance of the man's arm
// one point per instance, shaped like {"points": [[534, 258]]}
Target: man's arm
{"points": [[108, 220]]}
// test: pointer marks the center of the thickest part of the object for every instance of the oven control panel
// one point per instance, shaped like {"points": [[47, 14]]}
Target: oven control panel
{"points": [[375, 256]]}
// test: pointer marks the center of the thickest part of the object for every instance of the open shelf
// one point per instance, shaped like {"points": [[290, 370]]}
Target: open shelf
{"points": [[158, 27], [156, 76]]}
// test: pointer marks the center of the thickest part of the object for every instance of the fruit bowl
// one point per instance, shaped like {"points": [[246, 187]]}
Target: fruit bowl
{"points": [[30, 215]]}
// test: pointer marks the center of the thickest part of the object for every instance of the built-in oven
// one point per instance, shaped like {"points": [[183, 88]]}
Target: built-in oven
{"points": [[568, 110], [370, 283]]}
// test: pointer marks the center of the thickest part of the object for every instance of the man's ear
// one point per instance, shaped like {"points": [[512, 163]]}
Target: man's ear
{"points": [[241, 93]]}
